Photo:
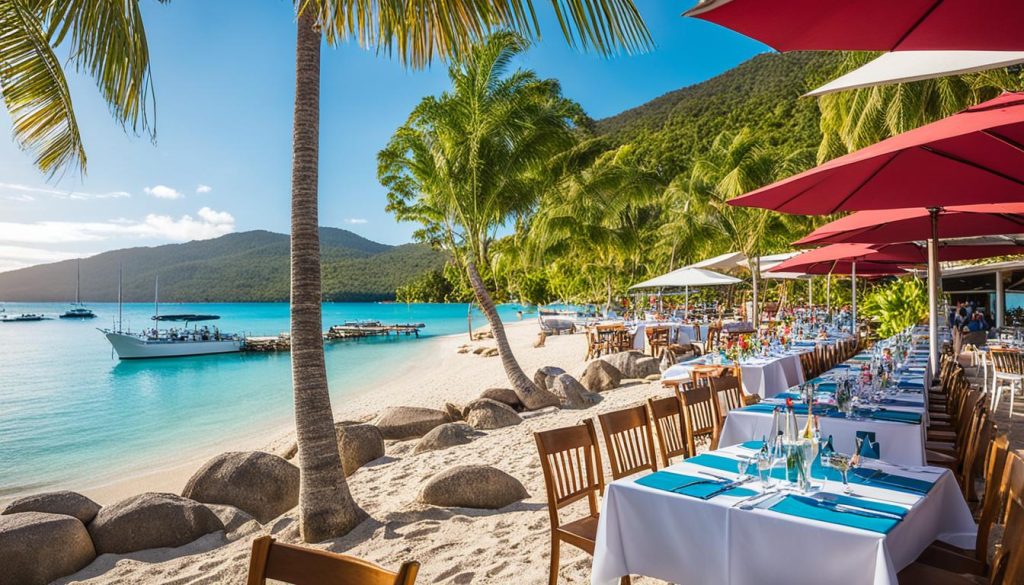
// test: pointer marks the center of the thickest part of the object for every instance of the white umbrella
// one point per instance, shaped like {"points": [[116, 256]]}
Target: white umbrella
{"points": [[906, 66], [685, 278]]}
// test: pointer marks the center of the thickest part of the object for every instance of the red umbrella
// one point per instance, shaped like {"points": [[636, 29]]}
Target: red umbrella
{"points": [[872, 25], [914, 224], [976, 156], [884, 259]]}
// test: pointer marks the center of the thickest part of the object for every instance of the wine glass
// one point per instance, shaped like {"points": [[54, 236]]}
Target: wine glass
{"points": [[841, 463], [742, 466], [764, 469]]}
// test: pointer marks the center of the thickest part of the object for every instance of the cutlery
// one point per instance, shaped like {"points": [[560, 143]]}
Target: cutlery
{"points": [[855, 510], [749, 502], [873, 497], [727, 487], [768, 502], [714, 475], [698, 482]]}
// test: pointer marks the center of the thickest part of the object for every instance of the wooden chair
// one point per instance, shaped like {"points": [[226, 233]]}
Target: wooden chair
{"points": [[729, 396], [628, 440], [657, 338], [309, 566], [700, 416], [807, 362], [571, 462], [1008, 565], [702, 374], [953, 558], [667, 418]]}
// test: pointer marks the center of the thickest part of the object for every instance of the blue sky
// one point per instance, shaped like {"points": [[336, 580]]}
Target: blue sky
{"points": [[224, 77]]}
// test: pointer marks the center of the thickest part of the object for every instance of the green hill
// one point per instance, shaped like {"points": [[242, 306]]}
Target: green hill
{"points": [[245, 266], [762, 94]]}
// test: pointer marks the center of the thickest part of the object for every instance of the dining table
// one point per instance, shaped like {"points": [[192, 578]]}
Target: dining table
{"points": [[701, 521], [764, 376], [680, 333], [898, 422]]}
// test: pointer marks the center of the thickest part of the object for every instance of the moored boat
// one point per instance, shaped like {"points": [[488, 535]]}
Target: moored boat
{"points": [[78, 310]]}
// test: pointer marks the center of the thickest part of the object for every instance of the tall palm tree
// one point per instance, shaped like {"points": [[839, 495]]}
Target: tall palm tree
{"points": [[103, 38], [469, 160], [851, 120], [737, 164]]}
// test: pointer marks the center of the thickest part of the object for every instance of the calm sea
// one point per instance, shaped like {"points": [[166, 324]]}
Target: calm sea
{"points": [[72, 415]]}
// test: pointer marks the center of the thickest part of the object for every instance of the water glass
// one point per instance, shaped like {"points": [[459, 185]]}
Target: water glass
{"points": [[765, 463], [742, 467]]}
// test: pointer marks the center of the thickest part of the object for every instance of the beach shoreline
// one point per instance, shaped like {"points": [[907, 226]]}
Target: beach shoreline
{"points": [[403, 388]]}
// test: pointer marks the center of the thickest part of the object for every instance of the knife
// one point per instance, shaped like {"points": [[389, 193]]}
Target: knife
{"points": [[727, 487]]}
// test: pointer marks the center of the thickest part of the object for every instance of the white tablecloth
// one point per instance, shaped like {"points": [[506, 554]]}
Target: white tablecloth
{"points": [[681, 333], [765, 377], [679, 539], [899, 442]]}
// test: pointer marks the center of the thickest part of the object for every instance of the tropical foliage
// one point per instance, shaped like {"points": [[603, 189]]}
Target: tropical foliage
{"points": [[897, 305]]}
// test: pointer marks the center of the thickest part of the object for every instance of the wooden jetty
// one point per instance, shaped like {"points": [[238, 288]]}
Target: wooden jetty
{"points": [[349, 330]]}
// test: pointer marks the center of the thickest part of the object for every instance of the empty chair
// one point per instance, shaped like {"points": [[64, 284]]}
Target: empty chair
{"points": [[657, 338], [628, 440], [571, 462], [1008, 372], [309, 566], [729, 396], [700, 416], [667, 418]]}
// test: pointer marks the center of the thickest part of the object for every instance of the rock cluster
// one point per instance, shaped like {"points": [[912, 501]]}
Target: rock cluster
{"points": [[472, 486]]}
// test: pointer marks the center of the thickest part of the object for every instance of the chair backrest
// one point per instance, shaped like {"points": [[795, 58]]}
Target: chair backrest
{"points": [[983, 431], [628, 440], [992, 502], [1008, 564], [1006, 361], [667, 418], [309, 566], [700, 416], [571, 462], [729, 395], [807, 362]]}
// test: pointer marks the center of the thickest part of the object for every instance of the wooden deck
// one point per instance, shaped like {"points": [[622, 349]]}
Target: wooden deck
{"points": [[349, 330]]}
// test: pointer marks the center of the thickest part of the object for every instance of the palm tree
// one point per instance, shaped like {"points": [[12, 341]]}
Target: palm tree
{"points": [[600, 213], [106, 39], [851, 120], [467, 161], [737, 164]]}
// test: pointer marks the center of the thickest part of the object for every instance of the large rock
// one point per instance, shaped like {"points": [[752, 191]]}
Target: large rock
{"points": [[633, 364], [444, 436], [231, 517], [36, 548], [484, 414], [545, 377], [537, 398], [600, 376], [472, 486], [64, 502], [504, 395], [262, 484], [359, 445], [151, 520], [571, 392], [409, 422]]}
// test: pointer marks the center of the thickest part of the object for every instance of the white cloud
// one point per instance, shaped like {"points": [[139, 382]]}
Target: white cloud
{"points": [[163, 192], [14, 257], [203, 188], [75, 195], [208, 224], [356, 220], [24, 197]]}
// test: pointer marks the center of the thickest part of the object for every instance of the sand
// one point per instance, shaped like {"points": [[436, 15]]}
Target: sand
{"points": [[453, 545]]}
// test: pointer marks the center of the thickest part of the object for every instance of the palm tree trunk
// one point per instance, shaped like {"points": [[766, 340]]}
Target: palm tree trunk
{"points": [[531, 396], [326, 508]]}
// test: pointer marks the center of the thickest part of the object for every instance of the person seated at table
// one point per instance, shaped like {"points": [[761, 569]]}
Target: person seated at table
{"points": [[977, 323]]}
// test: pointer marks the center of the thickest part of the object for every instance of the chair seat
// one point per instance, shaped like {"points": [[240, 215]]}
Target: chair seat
{"points": [[580, 533], [941, 436], [1007, 377], [919, 573], [943, 555]]}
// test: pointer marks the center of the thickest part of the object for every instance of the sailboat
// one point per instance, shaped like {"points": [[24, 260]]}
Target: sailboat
{"points": [[154, 343], [78, 310]]}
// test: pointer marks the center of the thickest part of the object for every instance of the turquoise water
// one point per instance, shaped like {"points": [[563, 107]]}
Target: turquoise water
{"points": [[73, 415]]}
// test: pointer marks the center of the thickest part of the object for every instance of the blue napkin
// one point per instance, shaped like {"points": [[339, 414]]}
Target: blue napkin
{"points": [[716, 461], [829, 387], [813, 509], [755, 445], [910, 383], [879, 479], [696, 487], [896, 402], [869, 447], [901, 416]]}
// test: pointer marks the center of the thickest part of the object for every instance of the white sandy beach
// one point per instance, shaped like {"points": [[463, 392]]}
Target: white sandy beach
{"points": [[453, 545]]}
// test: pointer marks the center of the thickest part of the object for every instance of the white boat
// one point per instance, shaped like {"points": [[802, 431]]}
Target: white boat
{"points": [[23, 317], [78, 310], [154, 343], [130, 346]]}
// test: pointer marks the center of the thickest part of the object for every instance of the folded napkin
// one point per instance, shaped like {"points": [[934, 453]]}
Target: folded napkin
{"points": [[825, 511], [889, 481], [900, 416], [687, 485], [910, 383], [897, 402], [753, 445], [829, 387], [716, 461], [869, 447]]}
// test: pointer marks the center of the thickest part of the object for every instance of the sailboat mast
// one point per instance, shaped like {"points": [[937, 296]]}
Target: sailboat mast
{"points": [[78, 284], [120, 275], [156, 306]]}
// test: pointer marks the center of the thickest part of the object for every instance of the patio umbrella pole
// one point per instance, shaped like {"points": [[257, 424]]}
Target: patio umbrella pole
{"points": [[686, 309], [933, 291], [810, 293], [853, 280]]}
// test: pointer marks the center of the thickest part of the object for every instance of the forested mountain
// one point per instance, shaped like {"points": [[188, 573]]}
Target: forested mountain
{"points": [[761, 94], [245, 266]]}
